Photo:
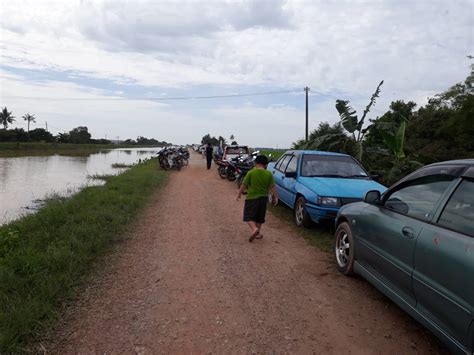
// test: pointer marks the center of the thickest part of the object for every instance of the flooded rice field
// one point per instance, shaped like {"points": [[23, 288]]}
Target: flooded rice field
{"points": [[25, 182]]}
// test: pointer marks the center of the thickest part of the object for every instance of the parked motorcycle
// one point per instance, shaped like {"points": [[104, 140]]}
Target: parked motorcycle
{"points": [[172, 158]]}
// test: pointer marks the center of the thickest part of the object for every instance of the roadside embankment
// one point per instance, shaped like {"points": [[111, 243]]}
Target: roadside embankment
{"points": [[44, 257]]}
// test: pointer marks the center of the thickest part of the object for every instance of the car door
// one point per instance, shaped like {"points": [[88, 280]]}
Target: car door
{"points": [[289, 183], [389, 231], [443, 277], [278, 175]]}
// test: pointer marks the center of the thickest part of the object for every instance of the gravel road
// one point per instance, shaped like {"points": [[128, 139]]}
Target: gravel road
{"points": [[188, 281]]}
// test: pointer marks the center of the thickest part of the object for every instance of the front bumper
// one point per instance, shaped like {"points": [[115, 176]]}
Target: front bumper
{"points": [[319, 213]]}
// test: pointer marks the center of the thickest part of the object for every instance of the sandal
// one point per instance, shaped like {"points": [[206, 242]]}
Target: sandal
{"points": [[259, 236], [253, 236]]}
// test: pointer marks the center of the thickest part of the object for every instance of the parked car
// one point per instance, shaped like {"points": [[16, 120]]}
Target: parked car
{"points": [[415, 243], [235, 151], [316, 184]]}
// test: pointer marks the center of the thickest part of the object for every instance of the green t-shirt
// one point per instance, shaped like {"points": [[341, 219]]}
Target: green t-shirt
{"points": [[258, 182]]}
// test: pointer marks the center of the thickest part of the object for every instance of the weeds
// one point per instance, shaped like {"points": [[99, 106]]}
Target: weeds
{"points": [[320, 236], [44, 256]]}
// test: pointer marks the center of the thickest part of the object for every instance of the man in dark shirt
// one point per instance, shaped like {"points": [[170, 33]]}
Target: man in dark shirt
{"points": [[209, 155]]}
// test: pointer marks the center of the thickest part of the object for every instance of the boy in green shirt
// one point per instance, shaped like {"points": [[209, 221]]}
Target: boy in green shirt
{"points": [[258, 182]]}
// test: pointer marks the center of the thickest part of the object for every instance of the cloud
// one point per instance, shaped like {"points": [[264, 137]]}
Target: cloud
{"points": [[340, 48], [150, 26]]}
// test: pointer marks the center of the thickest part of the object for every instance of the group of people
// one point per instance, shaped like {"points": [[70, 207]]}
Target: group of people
{"points": [[259, 183]]}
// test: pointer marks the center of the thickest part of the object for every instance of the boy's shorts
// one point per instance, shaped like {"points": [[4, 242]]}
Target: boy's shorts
{"points": [[255, 210]]}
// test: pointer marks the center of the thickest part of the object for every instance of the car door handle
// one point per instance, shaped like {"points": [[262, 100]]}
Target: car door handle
{"points": [[408, 232]]}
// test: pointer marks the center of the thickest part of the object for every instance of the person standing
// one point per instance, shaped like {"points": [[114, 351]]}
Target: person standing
{"points": [[209, 152], [258, 182]]}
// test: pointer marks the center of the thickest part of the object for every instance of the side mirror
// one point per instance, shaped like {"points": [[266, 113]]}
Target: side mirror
{"points": [[291, 174], [372, 197]]}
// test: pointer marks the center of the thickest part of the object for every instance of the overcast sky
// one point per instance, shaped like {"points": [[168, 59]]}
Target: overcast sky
{"points": [[116, 54]]}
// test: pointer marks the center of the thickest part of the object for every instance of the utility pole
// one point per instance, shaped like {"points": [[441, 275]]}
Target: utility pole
{"points": [[306, 89], [46, 126]]}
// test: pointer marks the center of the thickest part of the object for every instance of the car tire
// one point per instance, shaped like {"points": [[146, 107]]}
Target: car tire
{"points": [[302, 218], [344, 249]]}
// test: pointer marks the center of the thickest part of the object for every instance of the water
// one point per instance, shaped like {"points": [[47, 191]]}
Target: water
{"points": [[26, 181]]}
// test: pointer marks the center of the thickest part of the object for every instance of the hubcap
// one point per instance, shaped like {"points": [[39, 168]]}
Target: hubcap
{"points": [[342, 249], [299, 213]]}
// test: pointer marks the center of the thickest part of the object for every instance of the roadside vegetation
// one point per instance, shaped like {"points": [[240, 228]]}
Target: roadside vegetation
{"points": [[403, 139], [319, 236], [44, 257]]}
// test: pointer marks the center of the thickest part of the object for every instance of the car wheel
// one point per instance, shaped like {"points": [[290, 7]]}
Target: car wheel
{"points": [[302, 218], [344, 249]]}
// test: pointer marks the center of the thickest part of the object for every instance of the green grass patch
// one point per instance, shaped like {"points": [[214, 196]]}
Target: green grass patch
{"points": [[13, 149], [319, 236], [276, 153], [121, 165], [44, 257]]}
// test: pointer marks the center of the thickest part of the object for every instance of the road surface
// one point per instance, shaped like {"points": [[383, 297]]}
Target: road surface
{"points": [[188, 281]]}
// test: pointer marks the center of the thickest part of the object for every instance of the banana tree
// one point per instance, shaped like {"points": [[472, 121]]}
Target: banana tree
{"points": [[352, 124]]}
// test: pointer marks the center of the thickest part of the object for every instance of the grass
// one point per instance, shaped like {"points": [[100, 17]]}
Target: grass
{"points": [[121, 165], [276, 153], [44, 257], [13, 149], [319, 236]]}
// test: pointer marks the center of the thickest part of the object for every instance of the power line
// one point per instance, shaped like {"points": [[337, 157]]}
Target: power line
{"points": [[149, 98]]}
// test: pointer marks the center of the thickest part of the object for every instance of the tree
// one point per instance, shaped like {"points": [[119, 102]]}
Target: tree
{"points": [[6, 118], [352, 124], [79, 135], [29, 118], [208, 139], [40, 134]]}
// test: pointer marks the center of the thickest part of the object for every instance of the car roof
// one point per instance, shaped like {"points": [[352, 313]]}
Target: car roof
{"points": [[314, 152], [465, 162]]}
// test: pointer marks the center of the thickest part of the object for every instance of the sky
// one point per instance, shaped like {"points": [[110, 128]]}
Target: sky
{"points": [[115, 66]]}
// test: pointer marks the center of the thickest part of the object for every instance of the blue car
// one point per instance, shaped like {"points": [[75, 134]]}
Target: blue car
{"points": [[316, 184]]}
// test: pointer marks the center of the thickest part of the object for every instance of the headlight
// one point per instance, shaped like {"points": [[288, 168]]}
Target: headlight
{"points": [[329, 201]]}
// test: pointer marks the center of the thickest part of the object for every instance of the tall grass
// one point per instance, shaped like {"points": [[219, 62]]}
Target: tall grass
{"points": [[44, 256]]}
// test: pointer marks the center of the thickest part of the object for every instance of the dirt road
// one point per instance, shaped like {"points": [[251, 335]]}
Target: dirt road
{"points": [[188, 281]]}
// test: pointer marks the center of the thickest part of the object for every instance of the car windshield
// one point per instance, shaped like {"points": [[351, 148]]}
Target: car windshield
{"points": [[237, 150], [314, 165]]}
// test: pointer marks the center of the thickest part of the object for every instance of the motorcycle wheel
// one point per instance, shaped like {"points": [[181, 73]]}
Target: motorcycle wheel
{"points": [[222, 172], [185, 162], [231, 175]]}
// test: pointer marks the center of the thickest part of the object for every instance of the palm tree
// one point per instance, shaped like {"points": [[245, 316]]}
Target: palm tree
{"points": [[29, 118], [6, 117]]}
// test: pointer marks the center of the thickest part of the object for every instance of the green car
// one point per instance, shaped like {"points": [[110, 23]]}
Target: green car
{"points": [[415, 244]]}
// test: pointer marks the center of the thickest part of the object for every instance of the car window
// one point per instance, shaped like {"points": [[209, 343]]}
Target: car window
{"points": [[417, 198], [292, 165], [236, 150], [278, 163], [459, 211], [284, 162], [317, 165]]}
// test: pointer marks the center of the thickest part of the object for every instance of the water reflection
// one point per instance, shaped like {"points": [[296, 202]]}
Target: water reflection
{"points": [[25, 181]]}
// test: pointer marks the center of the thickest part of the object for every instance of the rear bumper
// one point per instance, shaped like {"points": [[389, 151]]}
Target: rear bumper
{"points": [[319, 213]]}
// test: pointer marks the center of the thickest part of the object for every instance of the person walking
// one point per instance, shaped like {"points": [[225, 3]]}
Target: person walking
{"points": [[209, 152], [259, 183]]}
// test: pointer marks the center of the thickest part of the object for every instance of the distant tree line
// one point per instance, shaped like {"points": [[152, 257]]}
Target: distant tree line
{"points": [[404, 138], [78, 135], [217, 141]]}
